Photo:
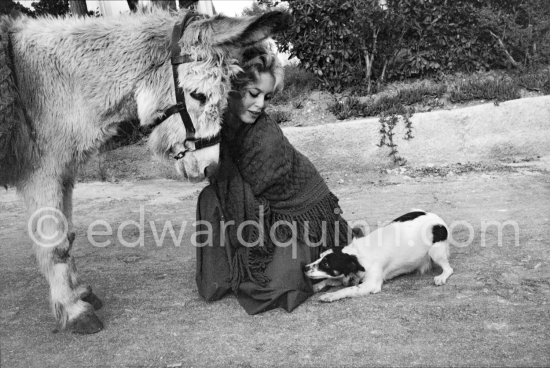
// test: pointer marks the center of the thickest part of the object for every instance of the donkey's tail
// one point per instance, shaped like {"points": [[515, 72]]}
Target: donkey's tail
{"points": [[17, 145]]}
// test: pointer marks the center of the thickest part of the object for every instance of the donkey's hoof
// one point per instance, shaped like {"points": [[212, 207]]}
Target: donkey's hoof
{"points": [[93, 300], [87, 323]]}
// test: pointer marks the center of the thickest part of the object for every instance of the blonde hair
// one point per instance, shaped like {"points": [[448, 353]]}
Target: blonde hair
{"points": [[260, 58]]}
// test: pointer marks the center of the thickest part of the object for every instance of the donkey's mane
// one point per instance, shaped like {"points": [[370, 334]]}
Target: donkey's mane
{"points": [[94, 34], [99, 26], [70, 37]]}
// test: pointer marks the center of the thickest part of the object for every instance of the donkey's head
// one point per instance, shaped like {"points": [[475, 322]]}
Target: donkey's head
{"points": [[211, 46]]}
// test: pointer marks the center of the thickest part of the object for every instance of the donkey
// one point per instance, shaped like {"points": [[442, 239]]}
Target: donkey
{"points": [[71, 81]]}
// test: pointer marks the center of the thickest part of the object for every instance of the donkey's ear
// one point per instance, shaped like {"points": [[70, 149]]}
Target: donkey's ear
{"points": [[246, 31]]}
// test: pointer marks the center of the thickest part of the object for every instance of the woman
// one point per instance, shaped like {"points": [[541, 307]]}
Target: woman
{"points": [[269, 210]]}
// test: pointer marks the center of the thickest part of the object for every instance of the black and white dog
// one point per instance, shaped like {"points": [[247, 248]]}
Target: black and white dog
{"points": [[409, 243]]}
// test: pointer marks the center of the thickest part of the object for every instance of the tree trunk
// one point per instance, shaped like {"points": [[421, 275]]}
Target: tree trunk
{"points": [[165, 4], [369, 58], [368, 69], [382, 75], [133, 5], [187, 4], [206, 7], [202, 7], [78, 7], [511, 59]]}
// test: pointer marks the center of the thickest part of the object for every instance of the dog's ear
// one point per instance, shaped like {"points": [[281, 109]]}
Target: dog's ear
{"points": [[357, 232], [357, 265], [353, 266]]}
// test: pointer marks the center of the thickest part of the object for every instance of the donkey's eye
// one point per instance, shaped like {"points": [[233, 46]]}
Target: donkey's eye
{"points": [[199, 97]]}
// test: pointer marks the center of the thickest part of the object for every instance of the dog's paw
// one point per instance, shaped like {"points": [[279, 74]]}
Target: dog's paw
{"points": [[347, 281], [440, 280], [319, 287], [376, 289], [328, 298]]}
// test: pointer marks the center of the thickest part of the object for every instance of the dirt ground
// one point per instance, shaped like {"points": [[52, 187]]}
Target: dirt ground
{"points": [[493, 311]]}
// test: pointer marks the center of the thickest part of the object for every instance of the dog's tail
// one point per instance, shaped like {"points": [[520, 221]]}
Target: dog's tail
{"points": [[440, 235], [18, 150]]}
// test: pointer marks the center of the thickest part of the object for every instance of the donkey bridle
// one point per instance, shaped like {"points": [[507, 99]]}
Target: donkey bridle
{"points": [[190, 143]]}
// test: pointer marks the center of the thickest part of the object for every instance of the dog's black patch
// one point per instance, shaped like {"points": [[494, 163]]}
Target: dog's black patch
{"points": [[339, 263], [440, 233], [409, 216], [357, 232]]}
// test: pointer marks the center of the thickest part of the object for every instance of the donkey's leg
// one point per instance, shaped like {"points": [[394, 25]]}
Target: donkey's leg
{"points": [[84, 291], [49, 231]]}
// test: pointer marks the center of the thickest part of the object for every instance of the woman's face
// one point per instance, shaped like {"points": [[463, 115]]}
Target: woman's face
{"points": [[255, 98]]}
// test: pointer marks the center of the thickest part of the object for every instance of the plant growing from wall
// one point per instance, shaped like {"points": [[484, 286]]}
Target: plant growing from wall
{"points": [[388, 122]]}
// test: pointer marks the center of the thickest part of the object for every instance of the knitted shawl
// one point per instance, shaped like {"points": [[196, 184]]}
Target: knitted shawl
{"points": [[263, 181]]}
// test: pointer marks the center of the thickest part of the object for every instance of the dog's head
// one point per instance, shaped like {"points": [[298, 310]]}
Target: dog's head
{"points": [[333, 264]]}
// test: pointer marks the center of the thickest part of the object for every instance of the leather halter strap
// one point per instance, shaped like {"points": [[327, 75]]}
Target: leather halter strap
{"points": [[177, 59], [191, 143]]}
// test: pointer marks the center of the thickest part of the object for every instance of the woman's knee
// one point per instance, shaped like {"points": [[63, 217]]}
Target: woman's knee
{"points": [[207, 203]]}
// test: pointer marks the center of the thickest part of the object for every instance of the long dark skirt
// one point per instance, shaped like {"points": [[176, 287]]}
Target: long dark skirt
{"points": [[288, 287]]}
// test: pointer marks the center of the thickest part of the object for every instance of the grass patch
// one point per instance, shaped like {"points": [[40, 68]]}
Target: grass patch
{"points": [[393, 101], [428, 94], [347, 107], [538, 81], [279, 115], [420, 92], [476, 87]]}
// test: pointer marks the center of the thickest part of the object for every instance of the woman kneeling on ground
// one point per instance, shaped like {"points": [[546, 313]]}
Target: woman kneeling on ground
{"points": [[267, 211]]}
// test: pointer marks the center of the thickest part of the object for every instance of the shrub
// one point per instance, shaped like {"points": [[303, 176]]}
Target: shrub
{"points": [[441, 36], [7, 6], [297, 84], [350, 43], [520, 29], [340, 41]]}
